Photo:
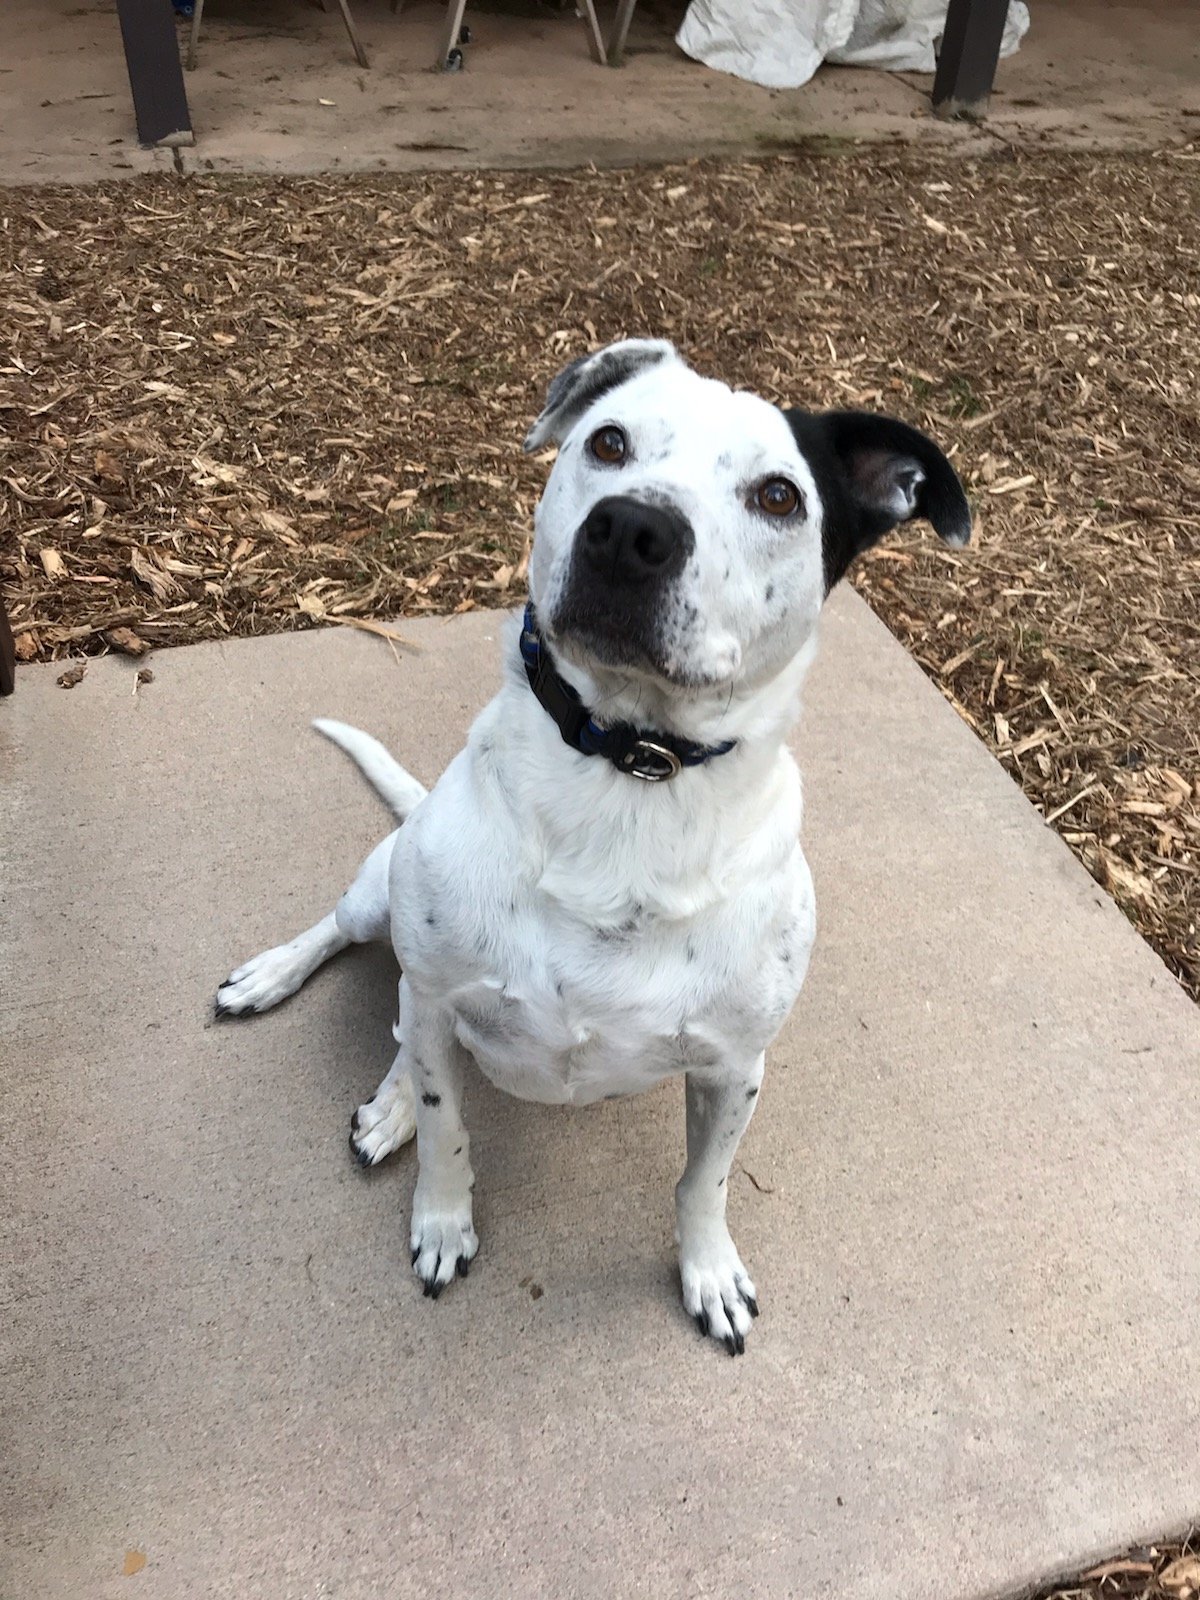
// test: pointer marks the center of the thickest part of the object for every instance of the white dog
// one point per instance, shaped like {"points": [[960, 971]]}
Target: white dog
{"points": [[606, 887]]}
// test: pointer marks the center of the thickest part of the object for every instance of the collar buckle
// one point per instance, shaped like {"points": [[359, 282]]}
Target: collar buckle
{"points": [[651, 762]]}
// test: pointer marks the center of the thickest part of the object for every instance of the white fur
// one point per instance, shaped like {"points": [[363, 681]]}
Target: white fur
{"points": [[576, 932]]}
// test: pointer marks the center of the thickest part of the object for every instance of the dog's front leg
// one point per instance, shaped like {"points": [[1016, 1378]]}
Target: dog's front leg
{"points": [[717, 1290], [443, 1235]]}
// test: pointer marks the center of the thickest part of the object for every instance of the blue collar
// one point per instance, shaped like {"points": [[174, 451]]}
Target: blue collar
{"points": [[651, 756]]}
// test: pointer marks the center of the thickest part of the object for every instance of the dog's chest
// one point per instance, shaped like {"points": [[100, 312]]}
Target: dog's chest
{"points": [[560, 1030], [589, 1015], [583, 1015], [559, 1050]]}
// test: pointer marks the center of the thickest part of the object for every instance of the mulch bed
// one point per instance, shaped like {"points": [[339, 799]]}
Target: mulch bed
{"points": [[1166, 1571], [235, 407]]}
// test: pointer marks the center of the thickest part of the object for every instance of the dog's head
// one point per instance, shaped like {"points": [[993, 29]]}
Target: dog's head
{"points": [[689, 533]]}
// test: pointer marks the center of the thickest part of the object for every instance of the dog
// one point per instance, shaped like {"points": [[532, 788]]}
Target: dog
{"points": [[606, 886]]}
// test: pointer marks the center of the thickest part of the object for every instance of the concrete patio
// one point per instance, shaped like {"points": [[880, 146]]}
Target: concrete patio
{"points": [[277, 89], [970, 1198]]}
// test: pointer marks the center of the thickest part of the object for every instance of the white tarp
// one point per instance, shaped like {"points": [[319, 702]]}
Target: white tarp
{"points": [[781, 43]]}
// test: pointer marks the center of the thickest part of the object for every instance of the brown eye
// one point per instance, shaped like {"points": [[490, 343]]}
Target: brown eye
{"points": [[609, 445], [777, 497]]}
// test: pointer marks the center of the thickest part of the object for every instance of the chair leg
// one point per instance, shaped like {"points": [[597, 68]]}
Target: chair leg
{"points": [[194, 36], [620, 33], [8, 654], [455, 11], [587, 11], [353, 32]]}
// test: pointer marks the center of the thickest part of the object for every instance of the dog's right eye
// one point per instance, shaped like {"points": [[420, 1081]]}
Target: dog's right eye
{"points": [[609, 445]]}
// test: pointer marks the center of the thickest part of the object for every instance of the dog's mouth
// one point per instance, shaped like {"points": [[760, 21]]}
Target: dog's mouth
{"points": [[591, 636]]}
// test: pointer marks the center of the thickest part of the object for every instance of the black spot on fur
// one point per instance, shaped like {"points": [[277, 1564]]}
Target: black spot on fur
{"points": [[459, 1151], [750, 1093], [582, 382], [770, 594], [430, 920], [690, 951], [431, 1099]]}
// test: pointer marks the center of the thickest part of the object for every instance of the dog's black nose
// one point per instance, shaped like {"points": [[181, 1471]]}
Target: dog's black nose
{"points": [[627, 542]]}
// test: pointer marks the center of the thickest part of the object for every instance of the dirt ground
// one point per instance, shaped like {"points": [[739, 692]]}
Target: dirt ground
{"points": [[238, 406]]}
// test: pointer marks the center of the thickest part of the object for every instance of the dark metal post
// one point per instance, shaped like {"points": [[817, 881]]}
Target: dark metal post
{"points": [[8, 654], [155, 75], [970, 52]]}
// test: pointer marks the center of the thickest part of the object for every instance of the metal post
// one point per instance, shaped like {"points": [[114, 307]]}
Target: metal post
{"points": [[8, 654], [970, 52], [155, 75], [620, 32]]}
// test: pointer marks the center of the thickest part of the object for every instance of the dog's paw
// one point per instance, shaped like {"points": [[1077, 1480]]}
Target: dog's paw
{"points": [[383, 1124], [717, 1291], [443, 1244], [263, 982]]}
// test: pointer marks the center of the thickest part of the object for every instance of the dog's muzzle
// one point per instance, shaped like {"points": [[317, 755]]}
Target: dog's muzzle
{"points": [[619, 595]]}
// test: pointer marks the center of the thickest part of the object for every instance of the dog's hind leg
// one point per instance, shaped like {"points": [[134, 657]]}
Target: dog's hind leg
{"points": [[360, 917]]}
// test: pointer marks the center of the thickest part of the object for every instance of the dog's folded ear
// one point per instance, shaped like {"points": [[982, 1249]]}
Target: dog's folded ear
{"points": [[872, 473], [585, 380]]}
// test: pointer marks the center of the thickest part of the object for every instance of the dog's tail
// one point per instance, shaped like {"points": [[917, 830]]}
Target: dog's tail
{"points": [[398, 790]]}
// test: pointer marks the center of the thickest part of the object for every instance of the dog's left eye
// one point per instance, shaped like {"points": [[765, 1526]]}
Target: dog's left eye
{"points": [[609, 445], [777, 497]]}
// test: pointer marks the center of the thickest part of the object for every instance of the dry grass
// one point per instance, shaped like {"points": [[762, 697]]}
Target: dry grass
{"points": [[238, 407]]}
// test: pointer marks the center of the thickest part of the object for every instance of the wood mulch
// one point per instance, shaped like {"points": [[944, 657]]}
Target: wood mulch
{"points": [[1165, 1571], [233, 407]]}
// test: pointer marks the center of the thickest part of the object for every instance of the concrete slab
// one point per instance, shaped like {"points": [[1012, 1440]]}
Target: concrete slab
{"points": [[970, 1198], [277, 89]]}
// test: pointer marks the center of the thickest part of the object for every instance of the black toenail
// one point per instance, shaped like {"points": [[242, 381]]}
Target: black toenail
{"points": [[464, 1266]]}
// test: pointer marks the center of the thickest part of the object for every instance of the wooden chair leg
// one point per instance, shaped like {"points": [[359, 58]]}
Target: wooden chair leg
{"points": [[353, 32], [194, 36], [8, 654], [620, 32]]}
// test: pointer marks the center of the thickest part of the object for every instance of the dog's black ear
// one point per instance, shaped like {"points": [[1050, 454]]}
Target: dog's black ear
{"points": [[585, 380], [873, 472]]}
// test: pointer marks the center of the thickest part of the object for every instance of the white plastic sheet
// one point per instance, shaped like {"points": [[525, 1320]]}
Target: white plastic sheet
{"points": [[781, 43]]}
